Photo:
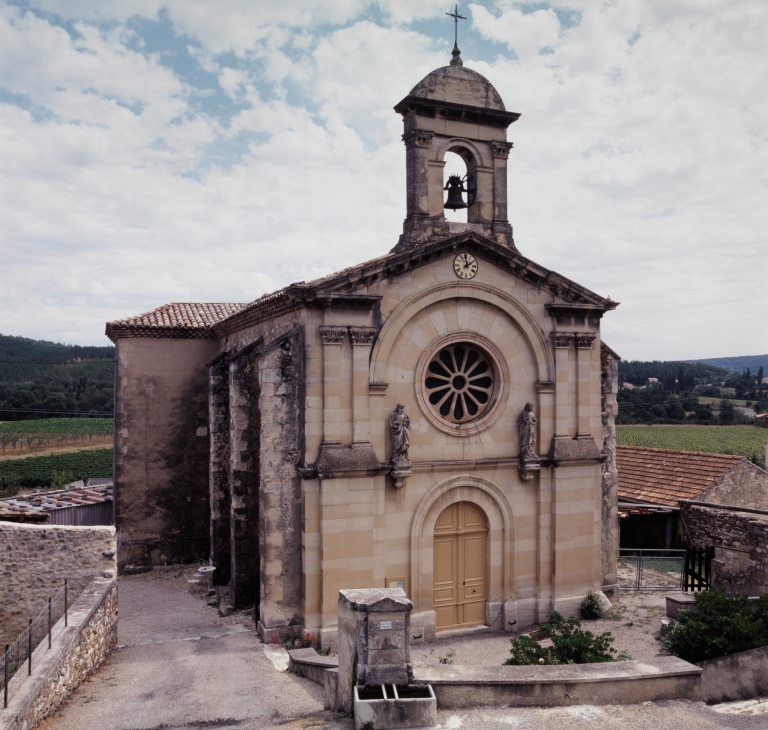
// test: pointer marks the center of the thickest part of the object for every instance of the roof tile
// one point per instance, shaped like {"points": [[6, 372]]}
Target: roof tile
{"points": [[664, 476]]}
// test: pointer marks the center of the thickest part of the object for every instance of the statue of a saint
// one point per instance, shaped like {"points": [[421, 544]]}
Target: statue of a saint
{"points": [[527, 423], [400, 426]]}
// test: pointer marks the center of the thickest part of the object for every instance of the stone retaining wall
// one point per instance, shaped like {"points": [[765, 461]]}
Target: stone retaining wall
{"points": [[741, 561], [734, 677], [76, 651], [35, 560]]}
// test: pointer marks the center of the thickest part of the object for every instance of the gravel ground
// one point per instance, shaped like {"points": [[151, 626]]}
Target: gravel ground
{"points": [[182, 666], [634, 621]]}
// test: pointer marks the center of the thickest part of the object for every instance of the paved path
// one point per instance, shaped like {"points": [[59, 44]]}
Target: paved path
{"points": [[181, 667]]}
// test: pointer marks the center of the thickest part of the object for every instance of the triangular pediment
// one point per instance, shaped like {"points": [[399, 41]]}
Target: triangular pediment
{"points": [[349, 288]]}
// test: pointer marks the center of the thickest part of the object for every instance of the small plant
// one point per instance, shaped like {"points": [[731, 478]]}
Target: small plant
{"points": [[368, 725], [298, 639], [591, 607], [570, 644], [719, 625], [448, 658]]}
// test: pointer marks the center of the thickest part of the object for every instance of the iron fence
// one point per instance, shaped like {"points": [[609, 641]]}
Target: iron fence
{"points": [[697, 575], [17, 657], [651, 570]]}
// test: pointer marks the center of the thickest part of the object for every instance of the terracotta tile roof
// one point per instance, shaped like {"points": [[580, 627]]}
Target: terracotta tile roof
{"points": [[45, 501], [185, 319], [663, 476]]}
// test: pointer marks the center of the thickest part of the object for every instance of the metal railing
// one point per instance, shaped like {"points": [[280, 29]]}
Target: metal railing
{"points": [[18, 654], [651, 570]]}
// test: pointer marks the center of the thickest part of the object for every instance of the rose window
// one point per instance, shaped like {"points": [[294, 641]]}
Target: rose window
{"points": [[459, 383]]}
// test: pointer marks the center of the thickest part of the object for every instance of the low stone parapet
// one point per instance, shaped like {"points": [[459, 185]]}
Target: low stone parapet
{"points": [[76, 651], [740, 676], [607, 683]]}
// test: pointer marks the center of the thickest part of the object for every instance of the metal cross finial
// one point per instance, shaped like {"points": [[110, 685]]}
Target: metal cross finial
{"points": [[455, 15]]}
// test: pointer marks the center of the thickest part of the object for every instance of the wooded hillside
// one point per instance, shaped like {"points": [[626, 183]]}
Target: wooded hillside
{"points": [[40, 379]]}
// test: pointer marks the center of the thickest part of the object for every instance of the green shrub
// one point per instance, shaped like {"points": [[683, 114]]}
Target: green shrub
{"points": [[591, 607], [60, 479], [570, 644], [719, 625]]}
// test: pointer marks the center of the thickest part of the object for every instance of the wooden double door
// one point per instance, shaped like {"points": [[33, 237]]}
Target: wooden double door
{"points": [[460, 566]]}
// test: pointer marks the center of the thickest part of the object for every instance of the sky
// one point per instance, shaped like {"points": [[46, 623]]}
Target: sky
{"points": [[194, 150]]}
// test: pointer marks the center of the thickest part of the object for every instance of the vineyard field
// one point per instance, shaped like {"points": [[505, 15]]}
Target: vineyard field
{"points": [[742, 440], [41, 471], [60, 426], [38, 435]]}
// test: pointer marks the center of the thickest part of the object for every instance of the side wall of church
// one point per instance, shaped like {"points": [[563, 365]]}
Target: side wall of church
{"points": [[161, 449]]}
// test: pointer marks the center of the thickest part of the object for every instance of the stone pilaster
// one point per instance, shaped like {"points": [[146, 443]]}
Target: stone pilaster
{"points": [[563, 341], [332, 339], [243, 481], [218, 471], [281, 399], [417, 146], [362, 338], [584, 381]]}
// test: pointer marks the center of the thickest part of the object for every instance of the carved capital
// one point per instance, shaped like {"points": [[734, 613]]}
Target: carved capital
{"points": [[362, 335], [501, 149], [584, 341], [417, 138], [332, 335], [562, 339]]}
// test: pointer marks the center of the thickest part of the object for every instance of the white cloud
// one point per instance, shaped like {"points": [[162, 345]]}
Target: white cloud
{"points": [[638, 168]]}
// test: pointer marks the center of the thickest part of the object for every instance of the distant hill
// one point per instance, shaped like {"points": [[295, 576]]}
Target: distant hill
{"points": [[40, 378], [738, 364], [673, 374]]}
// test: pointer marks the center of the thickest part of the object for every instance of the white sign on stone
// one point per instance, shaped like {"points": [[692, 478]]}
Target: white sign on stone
{"points": [[385, 625]]}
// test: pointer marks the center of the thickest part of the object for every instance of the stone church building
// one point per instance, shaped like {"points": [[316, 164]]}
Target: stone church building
{"points": [[439, 418]]}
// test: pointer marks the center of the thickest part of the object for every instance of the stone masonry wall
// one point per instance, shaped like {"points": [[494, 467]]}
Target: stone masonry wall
{"points": [[746, 485], [734, 534], [35, 560], [609, 387], [77, 651]]}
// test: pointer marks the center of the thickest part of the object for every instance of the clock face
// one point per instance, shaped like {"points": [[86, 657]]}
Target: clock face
{"points": [[465, 265]]}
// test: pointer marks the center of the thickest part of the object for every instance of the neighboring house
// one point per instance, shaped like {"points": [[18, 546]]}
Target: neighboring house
{"points": [[653, 481], [673, 498], [79, 506]]}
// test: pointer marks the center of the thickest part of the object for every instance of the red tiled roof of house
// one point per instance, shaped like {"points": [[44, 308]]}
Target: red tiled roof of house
{"points": [[185, 319], [663, 476]]}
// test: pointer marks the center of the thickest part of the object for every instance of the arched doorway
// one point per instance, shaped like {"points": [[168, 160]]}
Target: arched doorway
{"points": [[460, 566]]}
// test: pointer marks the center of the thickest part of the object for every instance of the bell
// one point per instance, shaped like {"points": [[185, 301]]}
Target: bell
{"points": [[455, 188]]}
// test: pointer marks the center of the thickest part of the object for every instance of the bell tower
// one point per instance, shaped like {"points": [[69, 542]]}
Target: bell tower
{"points": [[455, 109]]}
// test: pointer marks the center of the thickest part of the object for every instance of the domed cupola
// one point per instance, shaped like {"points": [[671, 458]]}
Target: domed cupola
{"points": [[455, 109]]}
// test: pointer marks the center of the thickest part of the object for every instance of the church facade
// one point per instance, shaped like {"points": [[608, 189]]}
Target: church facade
{"points": [[439, 418]]}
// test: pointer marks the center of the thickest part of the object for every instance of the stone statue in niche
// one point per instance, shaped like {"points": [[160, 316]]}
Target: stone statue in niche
{"points": [[527, 422], [400, 428], [529, 459]]}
